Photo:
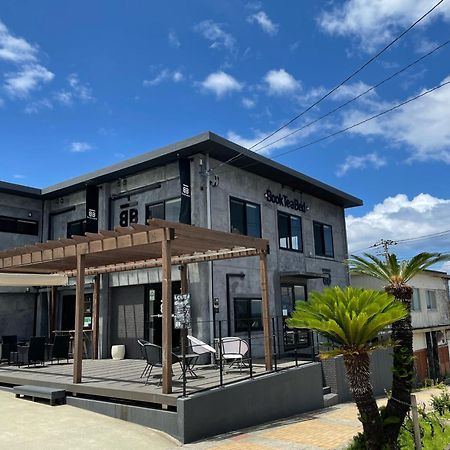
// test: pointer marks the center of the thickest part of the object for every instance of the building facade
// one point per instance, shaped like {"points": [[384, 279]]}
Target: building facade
{"points": [[430, 316], [206, 181]]}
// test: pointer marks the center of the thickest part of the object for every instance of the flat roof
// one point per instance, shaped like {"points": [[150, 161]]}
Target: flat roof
{"points": [[218, 148]]}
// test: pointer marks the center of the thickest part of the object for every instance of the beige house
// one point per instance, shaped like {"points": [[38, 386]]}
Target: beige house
{"points": [[430, 320]]}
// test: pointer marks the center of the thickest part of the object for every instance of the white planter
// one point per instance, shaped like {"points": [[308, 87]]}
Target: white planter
{"points": [[118, 351]]}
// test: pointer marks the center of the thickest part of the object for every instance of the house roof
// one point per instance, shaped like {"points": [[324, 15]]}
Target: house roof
{"points": [[218, 148]]}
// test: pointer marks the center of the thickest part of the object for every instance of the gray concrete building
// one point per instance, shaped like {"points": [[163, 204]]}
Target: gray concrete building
{"points": [[207, 181]]}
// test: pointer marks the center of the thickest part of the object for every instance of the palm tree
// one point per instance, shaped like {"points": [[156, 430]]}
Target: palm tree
{"points": [[352, 319], [396, 275]]}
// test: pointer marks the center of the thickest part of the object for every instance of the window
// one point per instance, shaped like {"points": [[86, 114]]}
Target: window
{"points": [[76, 228], [290, 232], [415, 302], [431, 300], [19, 226], [245, 217], [247, 313], [166, 210], [323, 240]]}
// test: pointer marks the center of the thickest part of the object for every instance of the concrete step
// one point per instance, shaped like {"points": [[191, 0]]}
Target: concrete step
{"points": [[326, 390], [330, 400]]}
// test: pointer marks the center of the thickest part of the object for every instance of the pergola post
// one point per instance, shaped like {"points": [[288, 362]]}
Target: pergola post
{"points": [[265, 310], [79, 315], [95, 316], [167, 314]]}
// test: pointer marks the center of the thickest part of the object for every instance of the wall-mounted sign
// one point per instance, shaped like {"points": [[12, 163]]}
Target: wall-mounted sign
{"points": [[91, 208], [182, 310], [284, 200], [185, 183]]}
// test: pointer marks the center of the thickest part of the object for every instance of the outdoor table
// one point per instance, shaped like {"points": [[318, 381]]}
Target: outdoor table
{"points": [[190, 361]]}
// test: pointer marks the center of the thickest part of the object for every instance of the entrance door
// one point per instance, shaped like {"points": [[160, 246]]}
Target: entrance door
{"points": [[433, 355], [152, 313], [290, 294]]}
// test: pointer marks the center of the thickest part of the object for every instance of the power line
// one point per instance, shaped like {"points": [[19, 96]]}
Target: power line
{"points": [[348, 78], [368, 119], [375, 86]]}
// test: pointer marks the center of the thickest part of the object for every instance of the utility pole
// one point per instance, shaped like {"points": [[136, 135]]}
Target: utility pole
{"points": [[385, 243]]}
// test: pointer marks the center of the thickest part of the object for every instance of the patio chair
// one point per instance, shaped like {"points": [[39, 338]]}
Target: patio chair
{"points": [[234, 349], [9, 348], [198, 348], [33, 352], [153, 355], [141, 343], [60, 348]]}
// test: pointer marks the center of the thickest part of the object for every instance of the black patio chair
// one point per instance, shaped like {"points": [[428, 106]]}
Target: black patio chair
{"points": [[34, 352], [141, 343], [9, 348], [60, 348], [153, 355]]}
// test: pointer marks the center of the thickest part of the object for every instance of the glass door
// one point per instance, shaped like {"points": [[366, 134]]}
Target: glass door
{"points": [[290, 294]]}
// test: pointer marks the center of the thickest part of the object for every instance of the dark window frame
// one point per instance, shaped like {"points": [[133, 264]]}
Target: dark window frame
{"points": [[15, 225], [241, 329], [324, 254], [163, 202], [245, 203], [73, 222], [289, 238]]}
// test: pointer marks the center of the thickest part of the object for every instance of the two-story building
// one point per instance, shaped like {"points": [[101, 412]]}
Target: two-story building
{"points": [[206, 181], [430, 316]]}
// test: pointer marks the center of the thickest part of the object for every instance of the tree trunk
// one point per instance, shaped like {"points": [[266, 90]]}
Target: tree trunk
{"points": [[357, 366], [403, 370]]}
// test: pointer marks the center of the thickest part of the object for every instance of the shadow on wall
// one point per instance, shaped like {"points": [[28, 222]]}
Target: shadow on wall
{"points": [[17, 314]]}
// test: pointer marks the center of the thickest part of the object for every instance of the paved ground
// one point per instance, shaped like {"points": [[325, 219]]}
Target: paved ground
{"points": [[330, 428], [27, 425]]}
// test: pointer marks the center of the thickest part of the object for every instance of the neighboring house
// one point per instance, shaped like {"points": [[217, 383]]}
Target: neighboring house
{"points": [[302, 218], [430, 314]]}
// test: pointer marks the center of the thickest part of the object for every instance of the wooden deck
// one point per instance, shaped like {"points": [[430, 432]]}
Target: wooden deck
{"points": [[120, 379]]}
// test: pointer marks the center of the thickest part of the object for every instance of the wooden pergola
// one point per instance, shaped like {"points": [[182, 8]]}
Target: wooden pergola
{"points": [[158, 244]]}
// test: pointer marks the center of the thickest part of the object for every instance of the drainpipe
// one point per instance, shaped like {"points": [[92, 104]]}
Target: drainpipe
{"points": [[228, 276], [210, 263]]}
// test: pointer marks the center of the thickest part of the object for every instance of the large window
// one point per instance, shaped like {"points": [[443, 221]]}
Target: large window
{"points": [[431, 300], [290, 232], [19, 226], [76, 228], [415, 302], [245, 217], [166, 210], [247, 313], [323, 240]]}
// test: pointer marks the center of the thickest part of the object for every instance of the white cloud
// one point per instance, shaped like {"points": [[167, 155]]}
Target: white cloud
{"points": [[374, 23], [75, 91], [164, 75], [360, 162], [263, 20], [37, 106], [173, 39], [80, 147], [397, 218], [287, 141], [281, 82], [19, 176], [15, 49], [220, 84], [248, 103], [422, 125], [214, 32], [28, 78]]}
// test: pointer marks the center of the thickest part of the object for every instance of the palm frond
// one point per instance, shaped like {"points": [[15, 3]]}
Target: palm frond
{"points": [[351, 317]]}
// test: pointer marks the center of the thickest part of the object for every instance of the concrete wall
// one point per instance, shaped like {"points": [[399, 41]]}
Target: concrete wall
{"points": [[380, 374], [249, 403], [17, 312]]}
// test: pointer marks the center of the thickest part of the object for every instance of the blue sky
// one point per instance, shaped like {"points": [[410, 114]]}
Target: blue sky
{"points": [[86, 84]]}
